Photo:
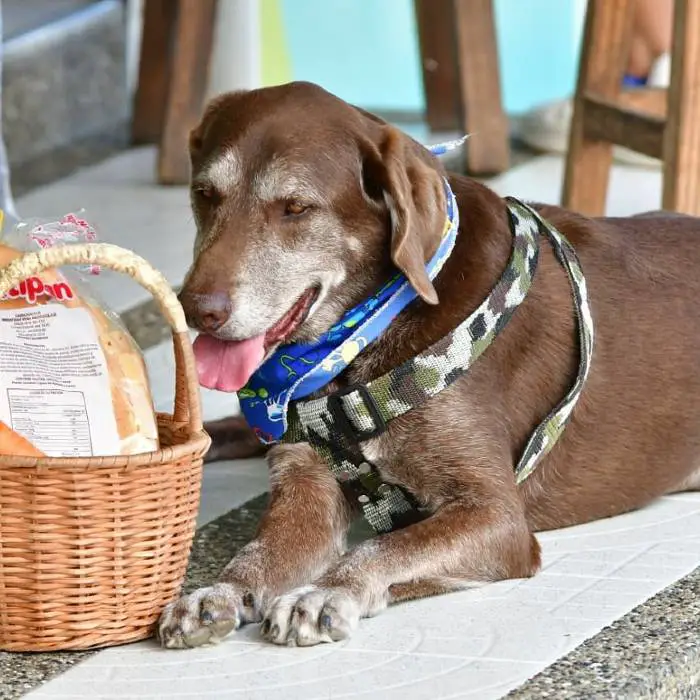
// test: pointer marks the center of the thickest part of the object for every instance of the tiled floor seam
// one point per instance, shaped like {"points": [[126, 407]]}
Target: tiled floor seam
{"points": [[655, 644]]}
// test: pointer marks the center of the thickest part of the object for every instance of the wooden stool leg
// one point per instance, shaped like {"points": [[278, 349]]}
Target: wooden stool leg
{"points": [[488, 152], [189, 72], [603, 55], [681, 189], [436, 34], [152, 90]]}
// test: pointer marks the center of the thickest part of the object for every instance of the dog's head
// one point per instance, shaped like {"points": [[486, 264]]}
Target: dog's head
{"points": [[304, 205]]}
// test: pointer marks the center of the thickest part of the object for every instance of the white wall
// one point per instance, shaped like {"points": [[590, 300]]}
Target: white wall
{"points": [[134, 24], [236, 57]]}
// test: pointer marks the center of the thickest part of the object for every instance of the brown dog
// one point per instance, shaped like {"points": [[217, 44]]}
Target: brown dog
{"points": [[292, 190]]}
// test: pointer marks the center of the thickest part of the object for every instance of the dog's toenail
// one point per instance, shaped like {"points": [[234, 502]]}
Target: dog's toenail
{"points": [[206, 617], [274, 632], [265, 627], [198, 638], [326, 621], [249, 600]]}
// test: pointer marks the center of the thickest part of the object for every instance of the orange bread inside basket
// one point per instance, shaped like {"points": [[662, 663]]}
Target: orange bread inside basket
{"points": [[12, 443]]}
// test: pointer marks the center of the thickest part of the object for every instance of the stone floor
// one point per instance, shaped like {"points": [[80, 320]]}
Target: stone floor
{"points": [[522, 637]]}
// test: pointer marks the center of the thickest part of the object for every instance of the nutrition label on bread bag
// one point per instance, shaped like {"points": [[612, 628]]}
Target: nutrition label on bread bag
{"points": [[54, 384]]}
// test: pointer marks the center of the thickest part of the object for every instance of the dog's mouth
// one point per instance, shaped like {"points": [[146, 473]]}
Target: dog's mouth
{"points": [[227, 365]]}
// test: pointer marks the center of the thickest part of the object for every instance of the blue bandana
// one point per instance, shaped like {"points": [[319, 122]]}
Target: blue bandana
{"points": [[296, 370]]}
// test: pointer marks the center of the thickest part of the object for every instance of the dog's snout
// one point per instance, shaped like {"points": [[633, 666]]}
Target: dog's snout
{"points": [[206, 312]]}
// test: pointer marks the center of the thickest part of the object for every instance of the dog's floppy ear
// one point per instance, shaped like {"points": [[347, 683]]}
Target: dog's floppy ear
{"points": [[405, 175]]}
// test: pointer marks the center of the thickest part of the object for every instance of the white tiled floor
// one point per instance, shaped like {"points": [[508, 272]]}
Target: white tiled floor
{"points": [[631, 190], [477, 644]]}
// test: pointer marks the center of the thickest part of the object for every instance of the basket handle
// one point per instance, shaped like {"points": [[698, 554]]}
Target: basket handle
{"points": [[187, 408]]}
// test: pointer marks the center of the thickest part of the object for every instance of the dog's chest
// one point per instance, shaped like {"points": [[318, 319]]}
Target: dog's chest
{"points": [[372, 451], [382, 454]]}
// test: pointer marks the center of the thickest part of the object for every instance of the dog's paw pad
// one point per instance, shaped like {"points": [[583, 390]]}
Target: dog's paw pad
{"points": [[203, 617], [311, 615]]}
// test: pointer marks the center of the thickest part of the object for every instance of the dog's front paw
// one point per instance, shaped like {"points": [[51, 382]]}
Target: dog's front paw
{"points": [[205, 616], [311, 615]]}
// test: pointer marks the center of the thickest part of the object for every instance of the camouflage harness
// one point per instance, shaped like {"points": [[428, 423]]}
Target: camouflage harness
{"points": [[336, 425]]}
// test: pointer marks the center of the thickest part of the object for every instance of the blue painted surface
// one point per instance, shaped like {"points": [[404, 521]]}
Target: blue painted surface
{"points": [[366, 51], [538, 50]]}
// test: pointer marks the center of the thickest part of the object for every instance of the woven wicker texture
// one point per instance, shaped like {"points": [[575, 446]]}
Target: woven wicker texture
{"points": [[92, 549]]}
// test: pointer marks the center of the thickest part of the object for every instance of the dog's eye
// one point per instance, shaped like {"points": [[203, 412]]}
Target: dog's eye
{"points": [[293, 208], [205, 192]]}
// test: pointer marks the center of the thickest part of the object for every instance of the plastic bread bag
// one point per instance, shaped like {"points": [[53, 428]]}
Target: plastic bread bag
{"points": [[73, 383]]}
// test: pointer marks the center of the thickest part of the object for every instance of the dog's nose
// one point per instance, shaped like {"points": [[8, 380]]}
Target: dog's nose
{"points": [[206, 312]]}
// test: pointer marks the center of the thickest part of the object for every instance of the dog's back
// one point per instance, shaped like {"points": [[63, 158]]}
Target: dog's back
{"points": [[637, 431]]}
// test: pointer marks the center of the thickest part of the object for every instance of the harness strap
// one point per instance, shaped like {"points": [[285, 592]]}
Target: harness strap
{"points": [[336, 424], [550, 429]]}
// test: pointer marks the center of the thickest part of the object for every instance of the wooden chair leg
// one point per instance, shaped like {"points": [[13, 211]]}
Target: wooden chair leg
{"points": [[488, 152], [603, 54], [189, 71], [152, 90], [681, 188], [436, 36]]}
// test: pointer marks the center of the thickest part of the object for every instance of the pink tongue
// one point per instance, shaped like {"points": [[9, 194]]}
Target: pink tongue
{"points": [[227, 365]]}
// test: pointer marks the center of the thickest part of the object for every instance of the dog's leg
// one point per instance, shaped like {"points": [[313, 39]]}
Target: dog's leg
{"points": [[300, 536], [462, 545], [232, 438], [427, 588]]}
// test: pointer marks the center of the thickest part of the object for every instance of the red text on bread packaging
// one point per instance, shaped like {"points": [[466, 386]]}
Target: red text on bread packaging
{"points": [[32, 289]]}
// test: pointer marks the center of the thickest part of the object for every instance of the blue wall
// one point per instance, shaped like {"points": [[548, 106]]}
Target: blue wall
{"points": [[366, 51]]}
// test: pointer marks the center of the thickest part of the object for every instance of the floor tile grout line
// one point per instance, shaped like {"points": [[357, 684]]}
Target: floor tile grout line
{"points": [[395, 652], [592, 584], [304, 682], [611, 578]]}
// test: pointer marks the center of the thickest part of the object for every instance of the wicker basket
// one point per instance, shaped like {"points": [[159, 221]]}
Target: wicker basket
{"points": [[92, 549]]}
